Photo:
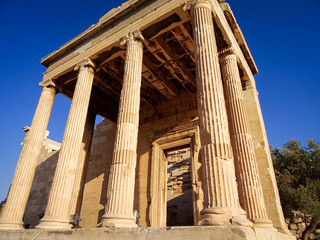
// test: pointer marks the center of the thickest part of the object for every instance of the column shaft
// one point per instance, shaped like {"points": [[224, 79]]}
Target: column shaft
{"points": [[249, 186], [220, 191], [120, 194], [81, 172], [13, 210], [57, 211]]}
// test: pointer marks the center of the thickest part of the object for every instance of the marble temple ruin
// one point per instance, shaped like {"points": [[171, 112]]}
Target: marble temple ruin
{"points": [[182, 142]]}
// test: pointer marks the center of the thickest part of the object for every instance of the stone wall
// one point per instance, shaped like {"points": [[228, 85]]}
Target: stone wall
{"points": [[41, 184], [298, 224], [183, 111], [95, 191], [179, 188], [179, 170]]}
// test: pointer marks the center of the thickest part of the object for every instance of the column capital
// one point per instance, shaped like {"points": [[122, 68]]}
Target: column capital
{"points": [[50, 85], [57, 213], [246, 85], [85, 63], [132, 36], [47, 83], [226, 51], [228, 54], [12, 212], [120, 193], [196, 4]]}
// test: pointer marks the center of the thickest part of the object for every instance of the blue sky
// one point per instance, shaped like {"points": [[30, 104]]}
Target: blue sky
{"points": [[283, 37]]}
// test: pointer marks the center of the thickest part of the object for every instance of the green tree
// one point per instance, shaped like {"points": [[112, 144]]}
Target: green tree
{"points": [[297, 170]]}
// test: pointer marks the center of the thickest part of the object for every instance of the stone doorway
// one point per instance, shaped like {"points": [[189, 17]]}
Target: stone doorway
{"points": [[179, 187], [176, 184]]}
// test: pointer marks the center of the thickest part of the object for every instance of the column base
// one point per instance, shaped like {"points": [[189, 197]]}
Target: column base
{"points": [[118, 221], [48, 222], [11, 224], [263, 223], [217, 216]]}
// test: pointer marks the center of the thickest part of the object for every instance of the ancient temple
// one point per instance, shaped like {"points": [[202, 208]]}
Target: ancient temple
{"points": [[182, 142]]}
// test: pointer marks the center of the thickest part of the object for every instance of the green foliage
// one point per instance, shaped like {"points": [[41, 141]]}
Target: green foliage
{"points": [[297, 171]]}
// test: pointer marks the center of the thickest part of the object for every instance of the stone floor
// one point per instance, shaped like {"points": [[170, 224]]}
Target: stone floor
{"points": [[173, 233]]}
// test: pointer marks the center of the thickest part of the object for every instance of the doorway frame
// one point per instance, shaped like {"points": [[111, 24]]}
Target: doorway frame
{"points": [[182, 135]]}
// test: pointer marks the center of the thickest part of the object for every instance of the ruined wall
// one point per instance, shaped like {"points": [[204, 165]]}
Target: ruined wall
{"points": [[41, 184], [95, 190], [298, 224], [179, 188]]}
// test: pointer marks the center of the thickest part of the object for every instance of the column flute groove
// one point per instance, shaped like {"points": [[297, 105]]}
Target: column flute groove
{"points": [[221, 203], [81, 172], [57, 210], [249, 186], [13, 210], [120, 194]]}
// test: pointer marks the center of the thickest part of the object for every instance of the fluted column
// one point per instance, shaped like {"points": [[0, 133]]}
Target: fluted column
{"points": [[120, 194], [57, 211], [221, 202], [13, 210], [82, 167], [249, 186]]}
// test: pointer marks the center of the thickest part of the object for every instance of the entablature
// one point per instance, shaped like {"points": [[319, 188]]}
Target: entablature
{"points": [[168, 63]]}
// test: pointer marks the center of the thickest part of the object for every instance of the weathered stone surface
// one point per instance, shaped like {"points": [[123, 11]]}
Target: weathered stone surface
{"points": [[293, 226], [187, 233], [297, 220], [179, 199], [220, 191], [173, 87], [57, 210], [12, 212], [249, 186], [264, 161], [41, 185], [82, 166], [271, 234], [95, 191], [120, 194], [298, 224]]}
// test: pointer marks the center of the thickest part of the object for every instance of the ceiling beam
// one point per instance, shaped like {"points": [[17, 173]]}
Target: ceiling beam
{"points": [[106, 105], [169, 50], [171, 87], [185, 39], [152, 80], [149, 98], [103, 81], [165, 61]]}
